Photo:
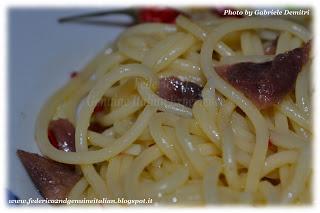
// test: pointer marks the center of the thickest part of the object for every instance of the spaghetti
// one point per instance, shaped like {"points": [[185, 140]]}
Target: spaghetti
{"points": [[215, 151]]}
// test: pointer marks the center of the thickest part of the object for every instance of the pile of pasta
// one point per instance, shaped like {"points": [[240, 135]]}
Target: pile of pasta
{"points": [[222, 150]]}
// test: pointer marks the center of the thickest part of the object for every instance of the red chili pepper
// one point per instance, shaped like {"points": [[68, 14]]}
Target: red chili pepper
{"points": [[52, 139], [61, 134], [219, 11], [97, 127], [73, 74], [163, 15], [99, 108], [271, 146], [102, 105]]}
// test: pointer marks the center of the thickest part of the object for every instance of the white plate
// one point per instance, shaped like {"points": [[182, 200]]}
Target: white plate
{"points": [[42, 54]]}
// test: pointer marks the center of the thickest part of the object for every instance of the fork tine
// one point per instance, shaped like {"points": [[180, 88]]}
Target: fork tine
{"points": [[129, 12]]}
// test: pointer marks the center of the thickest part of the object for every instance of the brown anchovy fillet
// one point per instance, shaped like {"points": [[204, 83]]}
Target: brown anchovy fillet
{"points": [[182, 92], [53, 180], [266, 84]]}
